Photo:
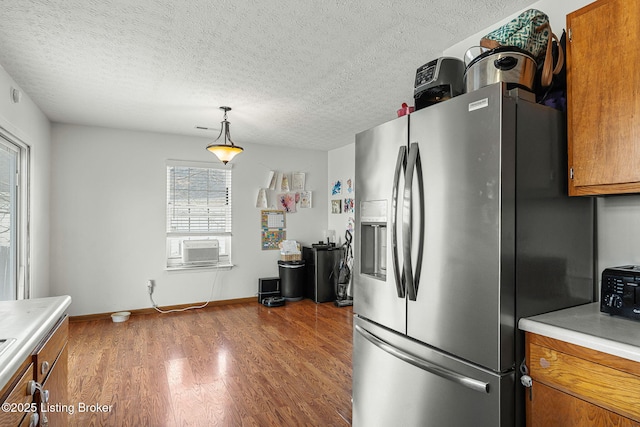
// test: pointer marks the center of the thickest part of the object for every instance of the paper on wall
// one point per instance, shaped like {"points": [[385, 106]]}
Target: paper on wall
{"points": [[261, 201], [285, 183], [271, 183], [297, 181]]}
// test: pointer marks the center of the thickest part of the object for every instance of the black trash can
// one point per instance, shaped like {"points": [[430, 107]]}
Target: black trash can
{"points": [[292, 279]]}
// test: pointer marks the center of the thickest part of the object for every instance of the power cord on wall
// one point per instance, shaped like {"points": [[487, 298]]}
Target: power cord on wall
{"points": [[176, 310]]}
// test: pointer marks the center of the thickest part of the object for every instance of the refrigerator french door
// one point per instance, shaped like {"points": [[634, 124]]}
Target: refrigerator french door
{"points": [[380, 173], [443, 253], [463, 227], [464, 302]]}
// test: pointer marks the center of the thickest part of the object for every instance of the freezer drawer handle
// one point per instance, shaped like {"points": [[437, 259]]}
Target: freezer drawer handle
{"points": [[401, 166], [447, 374]]}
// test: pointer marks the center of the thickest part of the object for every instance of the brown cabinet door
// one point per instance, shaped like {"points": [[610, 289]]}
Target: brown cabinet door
{"points": [[549, 407], [603, 85]]}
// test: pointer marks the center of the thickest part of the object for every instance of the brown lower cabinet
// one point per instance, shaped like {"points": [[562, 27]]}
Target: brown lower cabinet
{"points": [[47, 367], [578, 386]]}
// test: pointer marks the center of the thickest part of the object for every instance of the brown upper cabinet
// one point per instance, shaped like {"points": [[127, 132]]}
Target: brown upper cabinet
{"points": [[603, 95]]}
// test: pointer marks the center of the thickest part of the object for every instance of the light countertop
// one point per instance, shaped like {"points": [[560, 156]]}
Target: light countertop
{"points": [[586, 326], [26, 323]]}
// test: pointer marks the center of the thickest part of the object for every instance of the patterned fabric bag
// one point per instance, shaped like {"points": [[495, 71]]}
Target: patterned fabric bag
{"points": [[531, 32]]}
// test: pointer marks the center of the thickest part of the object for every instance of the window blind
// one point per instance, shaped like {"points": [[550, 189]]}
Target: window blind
{"points": [[198, 200]]}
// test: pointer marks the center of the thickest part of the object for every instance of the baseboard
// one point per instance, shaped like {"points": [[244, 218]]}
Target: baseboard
{"points": [[151, 310]]}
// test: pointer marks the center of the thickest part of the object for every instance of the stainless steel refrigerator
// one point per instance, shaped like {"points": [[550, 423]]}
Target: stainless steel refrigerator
{"points": [[463, 226]]}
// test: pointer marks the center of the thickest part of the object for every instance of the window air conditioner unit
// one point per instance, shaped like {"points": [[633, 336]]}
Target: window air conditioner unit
{"points": [[200, 252]]}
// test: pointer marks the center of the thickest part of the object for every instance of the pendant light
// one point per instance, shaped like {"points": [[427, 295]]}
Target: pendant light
{"points": [[225, 151]]}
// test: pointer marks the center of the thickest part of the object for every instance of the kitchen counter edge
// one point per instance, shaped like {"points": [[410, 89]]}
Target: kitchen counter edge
{"points": [[587, 326], [32, 330]]}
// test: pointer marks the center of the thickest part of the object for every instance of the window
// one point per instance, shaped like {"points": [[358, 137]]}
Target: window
{"points": [[14, 238], [198, 210]]}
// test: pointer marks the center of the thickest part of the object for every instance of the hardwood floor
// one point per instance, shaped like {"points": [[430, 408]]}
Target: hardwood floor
{"points": [[233, 365]]}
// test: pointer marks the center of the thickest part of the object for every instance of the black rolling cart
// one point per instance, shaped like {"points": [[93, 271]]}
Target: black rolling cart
{"points": [[322, 269]]}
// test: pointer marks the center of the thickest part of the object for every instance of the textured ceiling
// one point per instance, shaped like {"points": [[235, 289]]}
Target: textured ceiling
{"points": [[297, 73]]}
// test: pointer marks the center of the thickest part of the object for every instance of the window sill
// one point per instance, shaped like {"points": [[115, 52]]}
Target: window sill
{"points": [[199, 267]]}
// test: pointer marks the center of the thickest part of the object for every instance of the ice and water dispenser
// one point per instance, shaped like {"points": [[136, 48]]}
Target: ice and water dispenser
{"points": [[373, 232]]}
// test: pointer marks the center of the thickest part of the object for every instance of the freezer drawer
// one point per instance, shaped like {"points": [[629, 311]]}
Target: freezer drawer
{"points": [[397, 381]]}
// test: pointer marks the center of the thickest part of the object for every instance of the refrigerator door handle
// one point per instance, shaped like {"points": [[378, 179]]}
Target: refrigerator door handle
{"points": [[401, 166], [472, 383], [414, 164]]}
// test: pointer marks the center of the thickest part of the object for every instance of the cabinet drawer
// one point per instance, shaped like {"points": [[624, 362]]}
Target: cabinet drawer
{"points": [[48, 352], [19, 397], [601, 385]]}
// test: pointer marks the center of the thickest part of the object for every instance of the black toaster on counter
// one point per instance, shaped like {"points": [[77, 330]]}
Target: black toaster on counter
{"points": [[620, 291]]}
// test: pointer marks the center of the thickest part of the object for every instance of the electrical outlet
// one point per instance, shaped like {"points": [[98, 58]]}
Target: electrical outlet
{"points": [[150, 286]]}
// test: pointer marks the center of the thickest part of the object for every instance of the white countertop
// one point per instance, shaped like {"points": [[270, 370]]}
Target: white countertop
{"points": [[28, 322], [586, 326]]}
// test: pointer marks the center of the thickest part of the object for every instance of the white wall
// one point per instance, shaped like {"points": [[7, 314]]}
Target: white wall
{"points": [[342, 163], [108, 217], [27, 123], [618, 231]]}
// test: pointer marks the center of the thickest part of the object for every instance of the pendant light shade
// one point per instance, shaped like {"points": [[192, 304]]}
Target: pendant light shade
{"points": [[225, 151]]}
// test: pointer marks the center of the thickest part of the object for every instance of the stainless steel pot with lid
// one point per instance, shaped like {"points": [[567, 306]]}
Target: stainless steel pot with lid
{"points": [[508, 64]]}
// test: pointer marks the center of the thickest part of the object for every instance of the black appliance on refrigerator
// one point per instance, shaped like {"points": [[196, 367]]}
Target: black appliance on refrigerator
{"points": [[438, 80], [463, 226]]}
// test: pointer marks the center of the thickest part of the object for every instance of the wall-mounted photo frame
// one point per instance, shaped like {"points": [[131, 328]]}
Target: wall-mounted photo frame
{"points": [[287, 202], [336, 187], [273, 231], [272, 219], [348, 207], [336, 206], [305, 199], [271, 239]]}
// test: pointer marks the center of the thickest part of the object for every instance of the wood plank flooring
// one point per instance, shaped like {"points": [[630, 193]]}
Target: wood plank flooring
{"points": [[233, 365]]}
